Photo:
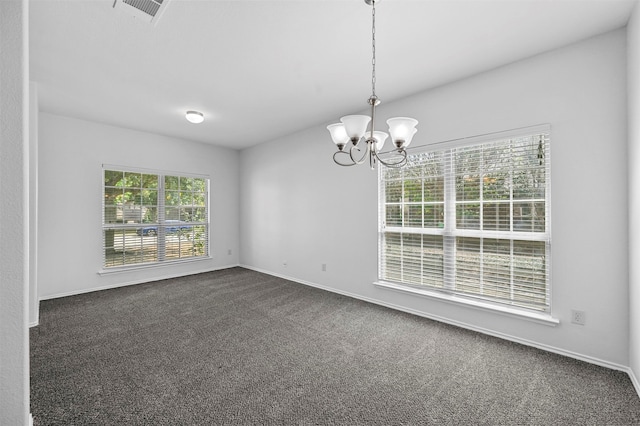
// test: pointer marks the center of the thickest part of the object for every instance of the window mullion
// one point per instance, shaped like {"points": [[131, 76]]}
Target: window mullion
{"points": [[481, 191], [511, 228], [511, 271], [511, 155], [449, 239], [402, 224], [481, 172], [161, 219], [422, 205]]}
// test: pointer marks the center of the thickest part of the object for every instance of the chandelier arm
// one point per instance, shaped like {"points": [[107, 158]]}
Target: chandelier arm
{"points": [[338, 162], [364, 156], [396, 164]]}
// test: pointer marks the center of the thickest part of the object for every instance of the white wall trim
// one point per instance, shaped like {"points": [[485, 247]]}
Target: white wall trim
{"points": [[139, 267], [540, 318], [634, 379], [33, 203], [526, 342], [134, 282]]}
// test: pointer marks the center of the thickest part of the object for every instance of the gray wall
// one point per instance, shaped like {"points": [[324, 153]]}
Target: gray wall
{"points": [[299, 209], [14, 196], [71, 154], [34, 307], [633, 93]]}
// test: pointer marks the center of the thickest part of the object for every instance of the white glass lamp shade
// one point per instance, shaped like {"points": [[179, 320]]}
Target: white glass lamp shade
{"points": [[338, 134], [194, 117], [379, 137], [408, 141], [355, 126], [401, 130]]}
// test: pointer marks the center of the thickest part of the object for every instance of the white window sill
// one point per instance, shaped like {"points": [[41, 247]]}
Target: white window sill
{"points": [[539, 317], [138, 267]]}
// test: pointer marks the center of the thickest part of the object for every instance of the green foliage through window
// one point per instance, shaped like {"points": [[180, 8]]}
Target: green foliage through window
{"points": [[471, 220], [151, 218]]}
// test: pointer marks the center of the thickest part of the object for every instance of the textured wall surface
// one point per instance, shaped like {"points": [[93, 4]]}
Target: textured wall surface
{"points": [[14, 355]]}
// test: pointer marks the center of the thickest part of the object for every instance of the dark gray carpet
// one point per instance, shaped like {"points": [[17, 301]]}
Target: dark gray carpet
{"points": [[240, 347]]}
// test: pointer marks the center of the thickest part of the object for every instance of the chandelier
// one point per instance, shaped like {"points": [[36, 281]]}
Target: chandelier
{"points": [[356, 129]]}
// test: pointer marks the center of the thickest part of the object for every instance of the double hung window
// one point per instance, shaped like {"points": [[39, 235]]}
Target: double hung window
{"points": [[151, 217], [471, 219]]}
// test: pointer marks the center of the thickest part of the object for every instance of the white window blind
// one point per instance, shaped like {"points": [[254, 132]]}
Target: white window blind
{"points": [[471, 218], [153, 217]]}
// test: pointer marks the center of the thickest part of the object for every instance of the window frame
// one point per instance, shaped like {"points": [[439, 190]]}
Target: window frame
{"points": [[449, 232], [160, 224]]}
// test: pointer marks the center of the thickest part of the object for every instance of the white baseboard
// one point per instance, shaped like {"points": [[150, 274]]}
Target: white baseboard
{"points": [[526, 342], [634, 380], [34, 317], [134, 282]]}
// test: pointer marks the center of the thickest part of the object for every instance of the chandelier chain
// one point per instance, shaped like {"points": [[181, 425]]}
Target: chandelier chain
{"points": [[373, 48]]}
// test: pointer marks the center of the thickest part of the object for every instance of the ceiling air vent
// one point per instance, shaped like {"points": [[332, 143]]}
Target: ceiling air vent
{"points": [[144, 10]]}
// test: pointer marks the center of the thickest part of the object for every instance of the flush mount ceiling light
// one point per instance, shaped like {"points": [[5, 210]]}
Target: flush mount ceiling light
{"points": [[194, 117], [353, 128]]}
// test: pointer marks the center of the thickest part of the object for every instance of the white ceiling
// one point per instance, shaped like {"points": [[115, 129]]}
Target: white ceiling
{"points": [[263, 69]]}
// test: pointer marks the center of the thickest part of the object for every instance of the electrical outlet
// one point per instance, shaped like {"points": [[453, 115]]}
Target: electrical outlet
{"points": [[284, 264], [324, 267], [578, 317], [229, 252]]}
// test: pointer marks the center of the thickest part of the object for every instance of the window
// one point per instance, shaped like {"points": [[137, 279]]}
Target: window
{"points": [[153, 217], [471, 219]]}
